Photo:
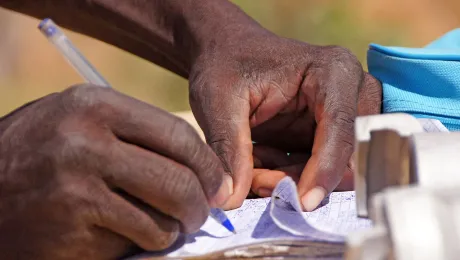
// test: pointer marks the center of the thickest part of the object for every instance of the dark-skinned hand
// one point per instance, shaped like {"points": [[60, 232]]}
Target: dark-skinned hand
{"points": [[90, 173], [288, 97], [246, 84]]}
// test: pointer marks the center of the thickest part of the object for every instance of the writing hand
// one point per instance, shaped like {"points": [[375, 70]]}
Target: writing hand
{"points": [[90, 173]]}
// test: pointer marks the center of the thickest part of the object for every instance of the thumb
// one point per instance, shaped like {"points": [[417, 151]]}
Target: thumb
{"points": [[223, 115]]}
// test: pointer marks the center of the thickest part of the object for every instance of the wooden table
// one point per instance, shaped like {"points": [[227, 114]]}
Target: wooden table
{"points": [[288, 249]]}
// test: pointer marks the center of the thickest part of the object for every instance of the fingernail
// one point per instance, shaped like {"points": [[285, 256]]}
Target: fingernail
{"points": [[264, 192], [229, 182], [224, 192], [313, 198]]}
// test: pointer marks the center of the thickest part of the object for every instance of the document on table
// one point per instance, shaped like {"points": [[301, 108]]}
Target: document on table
{"points": [[277, 218], [280, 217]]}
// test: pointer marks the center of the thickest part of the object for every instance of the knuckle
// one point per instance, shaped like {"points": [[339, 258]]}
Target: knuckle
{"points": [[71, 136], [344, 121], [342, 59], [163, 240], [73, 144], [185, 139], [372, 88], [86, 96], [80, 91], [341, 53], [344, 117], [76, 195], [180, 127], [188, 129], [370, 96], [78, 143]]}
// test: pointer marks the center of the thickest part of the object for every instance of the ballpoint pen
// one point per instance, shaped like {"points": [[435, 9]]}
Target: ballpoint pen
{"points": [[71, 53], [90, 74]]}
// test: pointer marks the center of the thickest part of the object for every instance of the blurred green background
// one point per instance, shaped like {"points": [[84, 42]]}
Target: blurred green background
{"points": [[30, 67]]}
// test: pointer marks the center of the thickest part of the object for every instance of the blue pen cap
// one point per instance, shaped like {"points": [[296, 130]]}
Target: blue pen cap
{"points": [[48, 28]]}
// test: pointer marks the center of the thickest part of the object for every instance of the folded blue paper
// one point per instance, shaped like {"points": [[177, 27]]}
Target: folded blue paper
{"points": [[423, 82]]}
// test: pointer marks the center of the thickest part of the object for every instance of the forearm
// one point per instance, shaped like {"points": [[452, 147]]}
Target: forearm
{"points": [[170, 33]]}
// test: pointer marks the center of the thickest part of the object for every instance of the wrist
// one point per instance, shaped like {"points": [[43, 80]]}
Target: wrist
{"points": [[211, 26]]}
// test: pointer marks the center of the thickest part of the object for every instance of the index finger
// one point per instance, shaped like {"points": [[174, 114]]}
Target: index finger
{"points": [[223, 113], [324, 170], [333, 142], [151, 128]]}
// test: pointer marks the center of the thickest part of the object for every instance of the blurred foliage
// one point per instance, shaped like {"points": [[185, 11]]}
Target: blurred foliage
{"points": [[30, 67]]}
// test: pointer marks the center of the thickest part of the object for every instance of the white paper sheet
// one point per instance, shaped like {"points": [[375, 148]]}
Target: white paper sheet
{"points": [[260, 220], [332, 221], [257, 221]]}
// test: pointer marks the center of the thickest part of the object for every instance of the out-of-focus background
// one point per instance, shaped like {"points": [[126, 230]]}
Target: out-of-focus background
{"points": [[30, 67]]}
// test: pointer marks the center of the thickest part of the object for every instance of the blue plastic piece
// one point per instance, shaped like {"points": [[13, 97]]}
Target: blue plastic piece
{"points": [[423, 82]]}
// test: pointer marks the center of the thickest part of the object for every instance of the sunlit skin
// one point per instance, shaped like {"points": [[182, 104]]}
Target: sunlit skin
{"points": [[90, 173]]}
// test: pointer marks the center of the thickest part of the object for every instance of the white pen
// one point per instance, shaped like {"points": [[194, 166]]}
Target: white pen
{"points": [[71, 54]]}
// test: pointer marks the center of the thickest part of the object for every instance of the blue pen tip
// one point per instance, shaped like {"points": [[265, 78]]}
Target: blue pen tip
{"points": [[228, 225]]}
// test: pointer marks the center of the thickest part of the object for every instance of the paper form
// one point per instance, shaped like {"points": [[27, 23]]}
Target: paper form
{"points": [[281, 217], [332, 221], [260, 220]]}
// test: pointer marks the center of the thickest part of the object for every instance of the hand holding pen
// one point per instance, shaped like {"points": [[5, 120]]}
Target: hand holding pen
{"points": [[89, 73]]}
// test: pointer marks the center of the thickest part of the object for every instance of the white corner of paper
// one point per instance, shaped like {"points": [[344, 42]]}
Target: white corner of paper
{"points": [[331, 221]]}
